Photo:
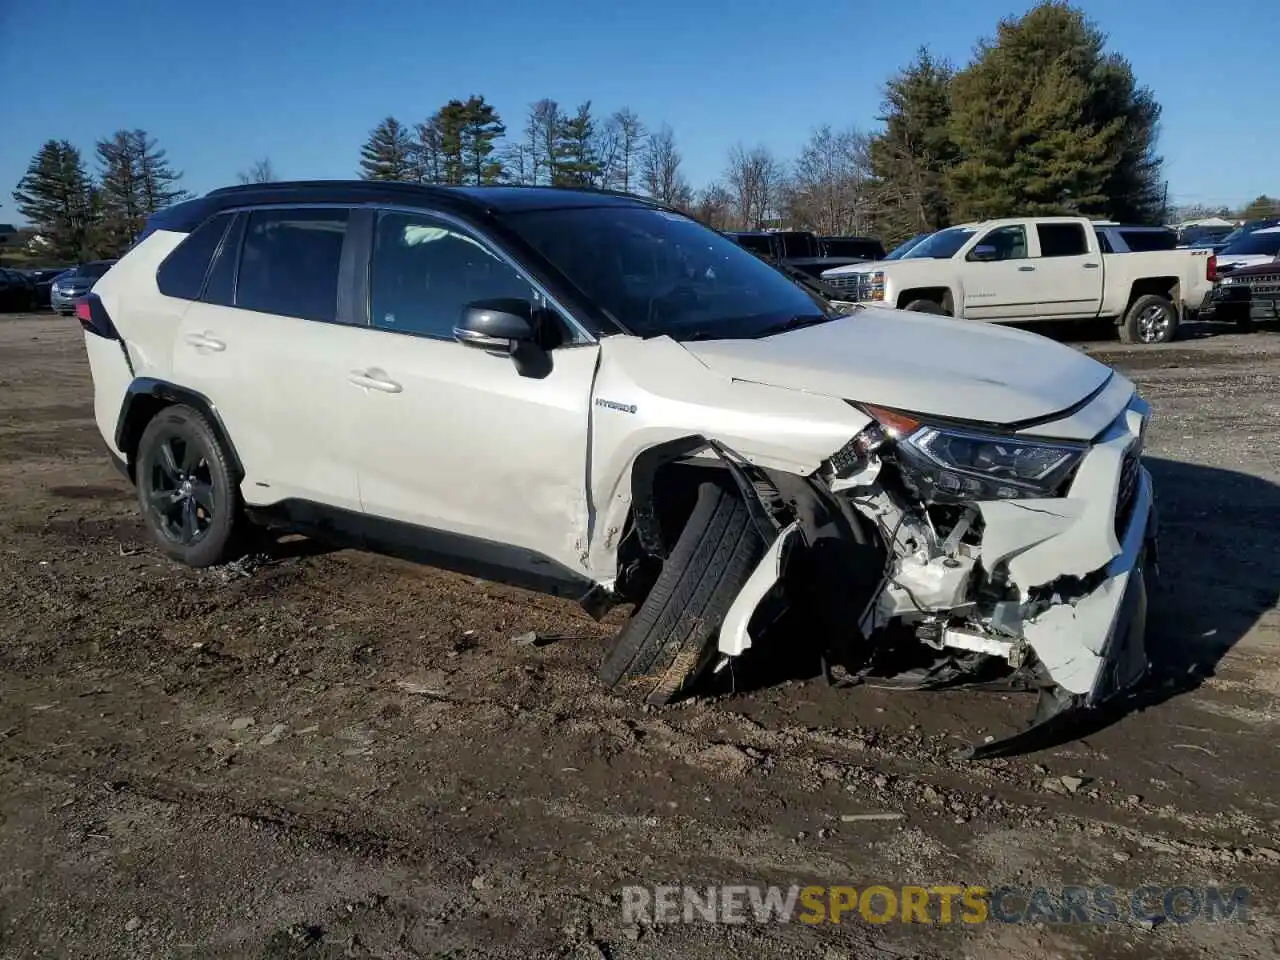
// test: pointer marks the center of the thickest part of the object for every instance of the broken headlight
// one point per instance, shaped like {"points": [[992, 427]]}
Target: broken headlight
{"points": [[945, 462]]}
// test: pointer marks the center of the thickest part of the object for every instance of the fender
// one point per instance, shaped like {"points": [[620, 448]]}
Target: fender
{"points": [[146, 396]]}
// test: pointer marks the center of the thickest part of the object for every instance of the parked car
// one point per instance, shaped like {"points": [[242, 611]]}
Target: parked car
{"points": [[43, 278], [1251, 249], [1049, 268], [74, 283], [1133, 238], [1247, 295], [861, 248], [17, 290], [797, 248], [593, 395]]}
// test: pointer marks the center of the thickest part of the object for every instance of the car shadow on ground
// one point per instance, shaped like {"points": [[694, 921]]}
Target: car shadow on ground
{"points": [[1091, 331], [1218, 574]]}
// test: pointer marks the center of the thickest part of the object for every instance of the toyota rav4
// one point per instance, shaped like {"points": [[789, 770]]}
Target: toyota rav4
{"points": [[590, 394]]}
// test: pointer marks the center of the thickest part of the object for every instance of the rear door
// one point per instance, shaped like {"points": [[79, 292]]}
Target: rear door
{"points": [[1068, 273], [269, 344], [999, 275]]}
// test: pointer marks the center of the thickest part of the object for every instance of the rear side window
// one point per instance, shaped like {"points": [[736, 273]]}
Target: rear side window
{"points": [[182, 272], [755, 243], [1104, 242], [799, 245], [1062, 240], [289, 262], [1142, 241]]}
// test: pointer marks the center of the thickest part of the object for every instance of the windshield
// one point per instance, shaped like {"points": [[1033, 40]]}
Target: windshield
{"points": [[1266, 243], [942, 245], [660, 273], [900, 251]]}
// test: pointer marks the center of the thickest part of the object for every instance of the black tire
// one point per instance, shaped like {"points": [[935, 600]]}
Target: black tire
{"points": [[187, 490], [927, 306], [1150, 319], [671, 639]]}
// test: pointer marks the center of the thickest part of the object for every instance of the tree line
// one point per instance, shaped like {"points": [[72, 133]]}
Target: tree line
{"points": [[1043, 119], [81, 215]]}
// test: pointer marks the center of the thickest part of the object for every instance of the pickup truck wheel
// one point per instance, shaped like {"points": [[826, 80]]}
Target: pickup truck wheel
{"points": [[1151, 319], [671, 638], [927, 306]]}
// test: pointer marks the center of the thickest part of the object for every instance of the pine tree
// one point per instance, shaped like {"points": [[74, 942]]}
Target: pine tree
{"points": [[1047, 123], [135, 181], [1260, 208], [577, 164], [55, 196], [451, 120], [481, 130], [910, 158], [388, 153]]}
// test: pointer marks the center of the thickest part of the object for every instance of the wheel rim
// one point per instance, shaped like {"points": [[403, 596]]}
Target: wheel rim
{"points": [[179, 490], [1153, 324]]}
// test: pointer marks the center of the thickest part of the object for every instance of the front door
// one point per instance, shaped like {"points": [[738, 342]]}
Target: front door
{"points": [[1000, 279], [456, 440]]}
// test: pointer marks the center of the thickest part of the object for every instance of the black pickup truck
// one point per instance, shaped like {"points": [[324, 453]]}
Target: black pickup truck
{"points": [[806, 251], [1246, 295]]}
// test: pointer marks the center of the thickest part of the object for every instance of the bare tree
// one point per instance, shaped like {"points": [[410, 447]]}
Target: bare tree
{"points": [[714, 206], [542, 140], [755, 178], [629, 140], [830, 191], [660, 169], [261, 171]]}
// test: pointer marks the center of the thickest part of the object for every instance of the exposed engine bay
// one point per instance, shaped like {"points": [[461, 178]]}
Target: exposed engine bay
{"points": [[1004, 557]]}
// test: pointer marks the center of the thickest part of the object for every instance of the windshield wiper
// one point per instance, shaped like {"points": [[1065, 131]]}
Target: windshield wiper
{"points": [[795, 323]]}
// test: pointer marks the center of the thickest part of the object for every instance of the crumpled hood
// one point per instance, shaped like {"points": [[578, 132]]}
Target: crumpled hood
{"points": [[917, 362]]}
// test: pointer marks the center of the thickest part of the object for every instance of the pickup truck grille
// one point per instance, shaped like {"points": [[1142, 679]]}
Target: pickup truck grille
{"points": [[1128, 489], [858, 285]]}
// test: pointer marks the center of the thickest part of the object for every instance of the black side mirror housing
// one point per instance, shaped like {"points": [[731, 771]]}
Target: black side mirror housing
{"points": [[499, 326]]}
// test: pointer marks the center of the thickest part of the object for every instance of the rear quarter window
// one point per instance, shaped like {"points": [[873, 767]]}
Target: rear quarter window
{"points": [[182, 272], [1143, 241]]}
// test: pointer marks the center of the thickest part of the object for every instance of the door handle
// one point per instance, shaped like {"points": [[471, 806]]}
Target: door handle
{"points": [[1091, 266], [1025, 269], [374, 380], [202, 341]]}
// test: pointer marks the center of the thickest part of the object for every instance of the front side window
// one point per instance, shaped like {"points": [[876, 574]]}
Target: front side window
{"points": [[1061, 240], [658, 273], [289, 262], [1008, 243], [425, 272]]}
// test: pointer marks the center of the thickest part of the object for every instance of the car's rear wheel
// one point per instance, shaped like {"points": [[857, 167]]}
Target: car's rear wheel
{"points": [[186, 488], [671, 639], [1150, 319]]}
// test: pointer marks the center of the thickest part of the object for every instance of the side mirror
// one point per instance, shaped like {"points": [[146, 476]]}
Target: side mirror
{"points": [[984, 253], [499, 326]]}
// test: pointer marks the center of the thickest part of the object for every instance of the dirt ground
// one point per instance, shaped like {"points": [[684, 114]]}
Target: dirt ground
{"points": [[334, 754]]}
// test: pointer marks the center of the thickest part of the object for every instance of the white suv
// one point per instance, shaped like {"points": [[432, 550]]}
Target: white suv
{"points": [[590, 394]]}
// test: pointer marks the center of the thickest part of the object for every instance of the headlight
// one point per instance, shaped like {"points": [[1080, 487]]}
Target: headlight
{"points": [[876, 285], [949, 463]]}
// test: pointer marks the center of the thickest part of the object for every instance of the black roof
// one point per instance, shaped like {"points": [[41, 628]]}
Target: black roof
{"points": [[477, 201]]}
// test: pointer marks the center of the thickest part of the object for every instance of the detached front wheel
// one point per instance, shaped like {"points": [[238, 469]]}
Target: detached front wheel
{"points": [[671, 639]]}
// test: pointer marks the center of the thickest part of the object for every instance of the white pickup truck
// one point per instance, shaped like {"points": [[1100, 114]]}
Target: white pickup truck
{"points": [[1041, 268]]}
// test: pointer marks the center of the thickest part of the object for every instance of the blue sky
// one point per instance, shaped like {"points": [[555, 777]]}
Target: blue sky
{"points": [[303, 81]]}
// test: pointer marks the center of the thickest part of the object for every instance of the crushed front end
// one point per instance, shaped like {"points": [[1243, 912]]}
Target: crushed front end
{"points": [[1008, 553]]}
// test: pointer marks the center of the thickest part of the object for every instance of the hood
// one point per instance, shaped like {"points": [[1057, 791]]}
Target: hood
{"points": [[895, 267], [917, 362], [1239, 260]]}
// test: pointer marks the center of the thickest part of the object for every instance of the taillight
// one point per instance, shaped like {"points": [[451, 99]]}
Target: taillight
{"points": [[1211, 268], [94, 318]]}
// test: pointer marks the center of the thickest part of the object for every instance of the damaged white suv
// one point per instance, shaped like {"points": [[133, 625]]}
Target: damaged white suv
{"points": [[589, 394]]}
